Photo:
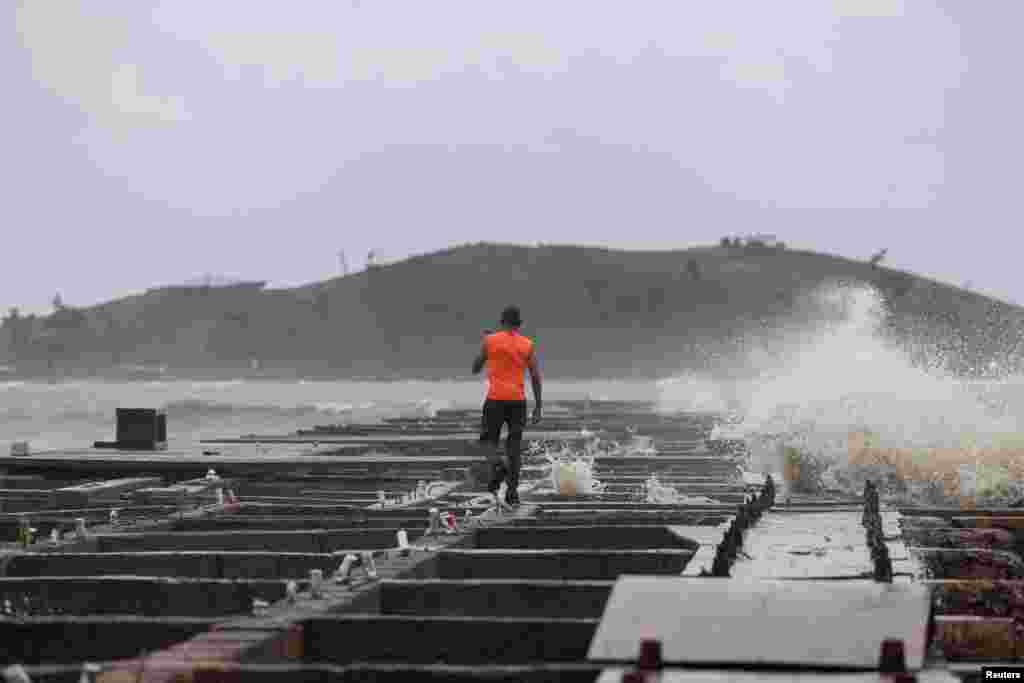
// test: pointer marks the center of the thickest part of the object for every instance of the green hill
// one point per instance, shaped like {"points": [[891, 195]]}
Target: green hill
{"points": [[594, 312]]}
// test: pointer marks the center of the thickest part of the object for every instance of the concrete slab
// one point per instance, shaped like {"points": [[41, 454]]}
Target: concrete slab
{"points": [[791, 623], [626, 499], [410, 520], [263, 509], [805, 545], [379, 672], [312, 500], [147, 462], [605, 537], [300, 541], [143, 596], [592, 565], [453, 640], [489, 598], [592, 506], [39, 640], [587, 517], [208, 565], [707, 676]]}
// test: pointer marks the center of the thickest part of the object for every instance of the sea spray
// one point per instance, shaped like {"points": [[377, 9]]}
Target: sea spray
{"points": [[848, 395], [653, 491]]}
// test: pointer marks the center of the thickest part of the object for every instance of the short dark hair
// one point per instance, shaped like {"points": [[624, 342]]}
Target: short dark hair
{"points": [[511, 316]]}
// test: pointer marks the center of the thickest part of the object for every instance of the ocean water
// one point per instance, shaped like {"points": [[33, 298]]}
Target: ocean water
{"points": [[825, 384], [75, 414]]}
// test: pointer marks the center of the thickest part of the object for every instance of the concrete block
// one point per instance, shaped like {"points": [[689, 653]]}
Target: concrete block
{"points": [[482, 598], [164, 564], [580, 565], [453, 640], [587, 518], [143, 596], [604, 537], [244, 565], [411, 520], [764, 622], [57, 640], [250, 541], [295, 541]]}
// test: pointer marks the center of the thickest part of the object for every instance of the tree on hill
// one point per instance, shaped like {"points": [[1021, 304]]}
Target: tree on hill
{"points": [[597, 310], [693, 269], [878, 258]]}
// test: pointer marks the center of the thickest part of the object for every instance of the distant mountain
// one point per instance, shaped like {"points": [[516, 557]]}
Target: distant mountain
{"points": [[594, 312]]}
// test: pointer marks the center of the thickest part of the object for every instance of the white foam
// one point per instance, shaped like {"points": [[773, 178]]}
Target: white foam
{"points": [[815, 388]]}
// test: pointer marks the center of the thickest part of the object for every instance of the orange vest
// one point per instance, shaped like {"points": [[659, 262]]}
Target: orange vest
{"points": [[507, 356]]}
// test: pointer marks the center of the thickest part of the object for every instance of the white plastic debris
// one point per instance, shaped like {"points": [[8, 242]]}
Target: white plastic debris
{"points": [[369, 564], [316, 580], [115, 517], [575, 478], [16, 674], [656, 492], [54, 535], [291, 592], [211, 475], [403, 539], [641, 445], [344, 570], [89, 671]]}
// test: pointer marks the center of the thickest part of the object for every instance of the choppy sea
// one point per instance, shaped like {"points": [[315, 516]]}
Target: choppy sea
{"points": [[77, 413]]}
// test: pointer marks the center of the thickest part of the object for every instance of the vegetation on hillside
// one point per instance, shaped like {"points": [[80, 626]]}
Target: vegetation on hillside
{"points": [[594, 312]]}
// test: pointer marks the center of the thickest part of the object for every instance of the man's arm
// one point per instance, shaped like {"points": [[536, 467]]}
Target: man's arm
{"points": [[481, 358], [537, 383]]}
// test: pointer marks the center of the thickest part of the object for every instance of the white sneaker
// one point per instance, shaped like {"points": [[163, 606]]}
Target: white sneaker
{"points": [[500, 505]]}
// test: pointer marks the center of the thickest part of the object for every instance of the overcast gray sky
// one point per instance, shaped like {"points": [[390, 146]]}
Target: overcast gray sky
{"points": [[146, 143]]}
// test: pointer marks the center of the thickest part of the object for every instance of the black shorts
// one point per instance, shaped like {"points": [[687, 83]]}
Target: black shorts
{"points": [[497, 414]]}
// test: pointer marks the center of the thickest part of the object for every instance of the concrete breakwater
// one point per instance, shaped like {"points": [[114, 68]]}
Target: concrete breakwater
{"points": [[327, 562]]}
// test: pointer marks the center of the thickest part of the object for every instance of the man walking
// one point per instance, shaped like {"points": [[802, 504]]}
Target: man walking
{"points": [[507, 355]]}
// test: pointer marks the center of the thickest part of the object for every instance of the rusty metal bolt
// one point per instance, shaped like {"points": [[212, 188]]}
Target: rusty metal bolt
{"points": [[650, 655], [892, 658]]}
